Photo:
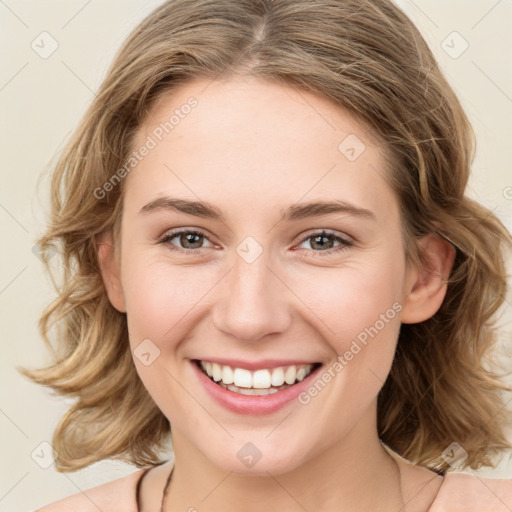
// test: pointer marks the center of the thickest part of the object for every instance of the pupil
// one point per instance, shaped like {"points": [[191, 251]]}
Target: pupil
{"points": [[321, 244], [188, 239]]}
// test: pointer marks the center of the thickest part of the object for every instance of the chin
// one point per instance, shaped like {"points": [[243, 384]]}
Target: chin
{"points": [[249, 461]]}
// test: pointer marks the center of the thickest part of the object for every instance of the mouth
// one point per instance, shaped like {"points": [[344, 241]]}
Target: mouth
{"points": [[265, 381]]}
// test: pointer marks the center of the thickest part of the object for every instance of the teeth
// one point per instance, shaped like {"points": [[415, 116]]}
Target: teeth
{"points": [[290, 374], [217, 372], [242, 378], [261, 379], [301, 374], [227, 375], [207, 366], [278, 376], [246, 391], [247, 382]]}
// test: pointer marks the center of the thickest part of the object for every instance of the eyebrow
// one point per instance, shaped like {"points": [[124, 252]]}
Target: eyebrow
{"points": [[295, 211]]}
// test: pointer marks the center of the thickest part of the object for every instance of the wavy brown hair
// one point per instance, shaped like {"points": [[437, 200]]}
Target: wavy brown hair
{"points": [[369, 59]]}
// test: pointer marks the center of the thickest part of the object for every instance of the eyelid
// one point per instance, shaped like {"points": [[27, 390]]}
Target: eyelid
{"points": [[169, 235], [324, 231], [345, 241]]}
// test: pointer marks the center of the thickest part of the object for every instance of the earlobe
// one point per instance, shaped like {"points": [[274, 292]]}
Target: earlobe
{"points": [[426, 286], [110, 270]]}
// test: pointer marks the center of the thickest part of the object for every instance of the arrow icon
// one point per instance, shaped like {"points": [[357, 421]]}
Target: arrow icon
{"points": [[249, 455], [44, 44], [146, 352], [454, 455], [249, 249], [454, 45], [43, 455], [351, 147]]}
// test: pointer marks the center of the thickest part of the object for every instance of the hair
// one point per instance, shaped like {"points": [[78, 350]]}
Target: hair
{"points": [[369, 59]]}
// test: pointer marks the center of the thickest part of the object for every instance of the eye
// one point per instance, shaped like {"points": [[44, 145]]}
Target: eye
{"points": [[324, 241], [188, 239]]}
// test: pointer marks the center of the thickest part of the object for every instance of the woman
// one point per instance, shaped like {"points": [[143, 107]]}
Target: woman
{"points": [[268, 254]]}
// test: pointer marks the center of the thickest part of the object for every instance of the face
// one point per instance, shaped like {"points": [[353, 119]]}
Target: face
{"points": [[254, 280]]}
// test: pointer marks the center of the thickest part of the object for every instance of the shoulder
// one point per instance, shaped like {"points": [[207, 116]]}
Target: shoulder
{"points": [[471, 493], [115, 496]]}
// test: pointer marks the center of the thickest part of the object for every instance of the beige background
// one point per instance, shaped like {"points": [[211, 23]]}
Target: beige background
{"points": [[42, 100]]}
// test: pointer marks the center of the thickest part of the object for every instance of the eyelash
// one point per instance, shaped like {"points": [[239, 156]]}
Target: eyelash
{"points": [[345, 243]]}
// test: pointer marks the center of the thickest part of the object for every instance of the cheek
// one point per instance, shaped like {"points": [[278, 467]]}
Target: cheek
{"points": [[160, 298], [162, 302], [357, 308]]}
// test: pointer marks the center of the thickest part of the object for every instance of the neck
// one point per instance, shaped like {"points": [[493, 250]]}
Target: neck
{"points": [[354, 474]]}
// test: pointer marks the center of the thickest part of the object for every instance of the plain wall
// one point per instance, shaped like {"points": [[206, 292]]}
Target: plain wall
{"points": [[41, 102]]}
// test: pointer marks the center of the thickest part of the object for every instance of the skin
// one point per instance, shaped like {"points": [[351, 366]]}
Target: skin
{"points": [[252, 148]]}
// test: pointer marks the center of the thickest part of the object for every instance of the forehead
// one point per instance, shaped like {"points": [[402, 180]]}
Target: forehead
{"points": [[216, 140]]}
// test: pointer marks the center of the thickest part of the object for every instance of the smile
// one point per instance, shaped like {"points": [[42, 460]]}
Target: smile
{"points": [[258, 382]]}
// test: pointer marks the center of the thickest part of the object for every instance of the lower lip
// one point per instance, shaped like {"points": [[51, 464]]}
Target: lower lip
{"points": [[254, 405]]}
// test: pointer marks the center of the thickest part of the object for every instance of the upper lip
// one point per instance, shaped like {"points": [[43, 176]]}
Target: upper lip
{"points": [[257, 365]]}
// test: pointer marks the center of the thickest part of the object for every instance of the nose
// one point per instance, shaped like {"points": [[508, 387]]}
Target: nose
{"points": [[254, 301]]}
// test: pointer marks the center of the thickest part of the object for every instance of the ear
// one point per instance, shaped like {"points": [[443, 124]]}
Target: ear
{"points": [[426, 286], [110, 270]]}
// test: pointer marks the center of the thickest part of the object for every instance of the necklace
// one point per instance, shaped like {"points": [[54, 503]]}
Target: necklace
{"points": [[166, 491], [399, 473], [163, 508]]}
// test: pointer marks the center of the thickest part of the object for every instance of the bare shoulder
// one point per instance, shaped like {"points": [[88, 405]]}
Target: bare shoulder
{"points": [[471, 493], [115, 496]]}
